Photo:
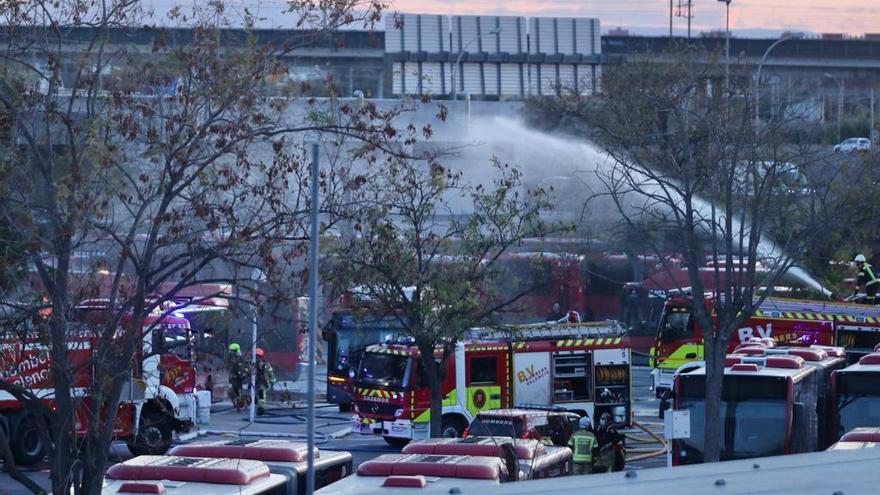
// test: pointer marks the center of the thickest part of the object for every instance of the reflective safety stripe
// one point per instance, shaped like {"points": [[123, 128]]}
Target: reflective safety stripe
{"points": [[582, 444], [870, 275]]}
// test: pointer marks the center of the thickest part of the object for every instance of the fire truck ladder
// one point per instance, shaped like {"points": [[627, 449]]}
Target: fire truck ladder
{"points": [[783, 306], [542, 331]]}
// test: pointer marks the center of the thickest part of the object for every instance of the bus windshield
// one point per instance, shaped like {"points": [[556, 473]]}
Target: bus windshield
{"points": [[753, 418], [387, 371], [676, 324], [858, 401]]}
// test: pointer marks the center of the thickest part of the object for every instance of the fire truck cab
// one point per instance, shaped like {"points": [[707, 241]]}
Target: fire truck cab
{"points": [[584, 368], [281, 456], [788, 322], [856, 391], [769, 406]]}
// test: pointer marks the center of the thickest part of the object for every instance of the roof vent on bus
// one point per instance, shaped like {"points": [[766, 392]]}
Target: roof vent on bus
{"points": [[750, 350], [870, 359], [830, 350], [417, 481], [156, 488], [731, 360], [862, 435], [813, 355], [787, 362], [751, 367]]}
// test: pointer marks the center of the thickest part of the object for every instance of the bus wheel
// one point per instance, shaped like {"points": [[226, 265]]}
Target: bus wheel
{"points": [[27, 442], [153, 436], [396, 442]]}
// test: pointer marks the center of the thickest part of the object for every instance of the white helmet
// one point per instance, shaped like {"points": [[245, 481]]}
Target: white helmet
{"points": [[860, 258], [584, 422]]}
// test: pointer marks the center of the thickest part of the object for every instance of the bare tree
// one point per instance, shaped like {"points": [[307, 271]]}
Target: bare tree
{"points": [[689, 172], [427, 249], [173, 164]]}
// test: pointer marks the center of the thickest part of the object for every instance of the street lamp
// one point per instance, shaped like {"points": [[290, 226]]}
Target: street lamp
{"points": [[727, 49], [839, 103], [461, 53], [758, 77]]}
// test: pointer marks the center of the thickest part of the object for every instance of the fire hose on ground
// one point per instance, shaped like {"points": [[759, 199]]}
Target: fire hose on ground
{"points": [[645, 453]]}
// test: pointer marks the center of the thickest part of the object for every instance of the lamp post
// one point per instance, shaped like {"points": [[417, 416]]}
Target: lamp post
{"points": [[839, 103], [461, 53], [758, 78], [727, 49]]}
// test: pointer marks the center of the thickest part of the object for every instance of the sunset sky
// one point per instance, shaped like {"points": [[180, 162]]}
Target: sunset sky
{"points": [[749, 17]]}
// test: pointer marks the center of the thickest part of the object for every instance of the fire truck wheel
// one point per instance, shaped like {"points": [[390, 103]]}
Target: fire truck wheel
{"points": [[27, 442], [452, 427], [395, 442], [154, 434], [345, 407]]}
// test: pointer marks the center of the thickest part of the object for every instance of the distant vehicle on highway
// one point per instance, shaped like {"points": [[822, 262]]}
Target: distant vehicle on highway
{"points": [[853, 144]]}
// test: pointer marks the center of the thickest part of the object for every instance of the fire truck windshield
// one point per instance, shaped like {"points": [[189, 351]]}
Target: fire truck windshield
{"points": [[676, 324], [349, 344], [858, 402], [389, 371], [753, 418]]}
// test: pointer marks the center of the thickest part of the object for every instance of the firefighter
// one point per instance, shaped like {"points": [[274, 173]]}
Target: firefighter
{"points": [[610, 445], [865, 278], [238, 374], [265, 380], [584, 446]]}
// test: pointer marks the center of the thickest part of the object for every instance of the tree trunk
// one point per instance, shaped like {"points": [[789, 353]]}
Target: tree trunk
{"points": [[433, 374], [715, 353]]}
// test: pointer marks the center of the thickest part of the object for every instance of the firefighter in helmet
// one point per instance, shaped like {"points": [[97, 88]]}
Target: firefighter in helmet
{"points": [[584, 446], [265, 380], [238, 374], [610, 445], [865, 278]]}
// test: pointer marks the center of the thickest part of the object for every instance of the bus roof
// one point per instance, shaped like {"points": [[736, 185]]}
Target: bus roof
{"points": [[849, 472]]}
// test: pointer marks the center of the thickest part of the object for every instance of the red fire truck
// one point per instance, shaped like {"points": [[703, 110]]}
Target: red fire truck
{"points": [[680, 339], [856, 391], [582, 367], [155, 403], [770, 405]]}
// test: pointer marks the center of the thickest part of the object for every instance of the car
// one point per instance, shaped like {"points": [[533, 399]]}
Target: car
{"points": [[853, 144], [548, 426]]}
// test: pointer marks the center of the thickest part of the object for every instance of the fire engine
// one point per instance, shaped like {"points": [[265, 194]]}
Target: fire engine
{"points": [[347, 336], [582, 367], [679, 337], [856, 391], [772, 403], [155, 403]]}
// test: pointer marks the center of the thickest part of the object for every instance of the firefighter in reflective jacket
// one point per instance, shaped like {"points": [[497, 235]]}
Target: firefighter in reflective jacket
{"points": [[239, 374], [865, 278], [264, 381], [584, 446]]}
